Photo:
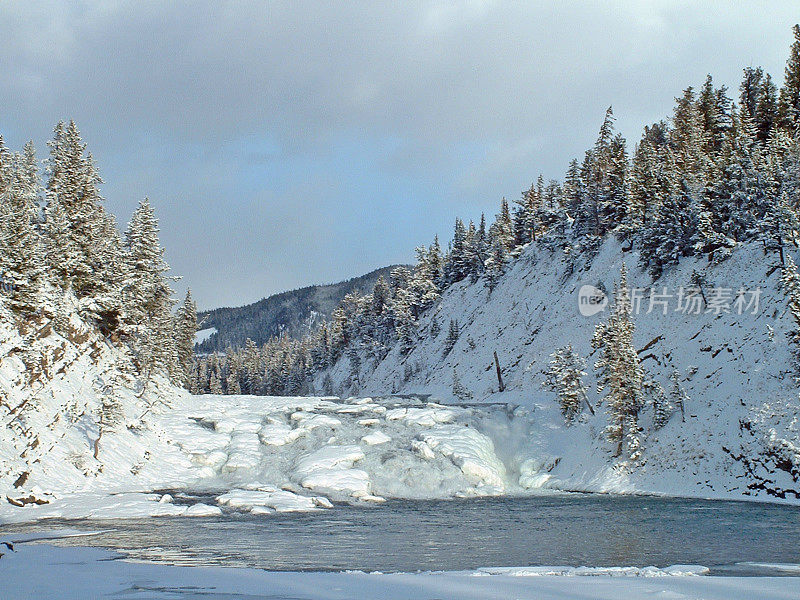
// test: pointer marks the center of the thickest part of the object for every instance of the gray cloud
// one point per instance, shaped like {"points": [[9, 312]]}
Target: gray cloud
{"points": [[292, 142]]}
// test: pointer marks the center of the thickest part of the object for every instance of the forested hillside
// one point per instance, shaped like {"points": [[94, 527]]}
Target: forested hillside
{"points": [[294, 314], [722, 172], [91, 345]]}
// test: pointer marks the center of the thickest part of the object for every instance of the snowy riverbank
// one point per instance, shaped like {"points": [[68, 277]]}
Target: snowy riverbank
{"points": [[99, 573]]}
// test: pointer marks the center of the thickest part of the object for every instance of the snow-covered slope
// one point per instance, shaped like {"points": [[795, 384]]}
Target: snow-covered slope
{"points": [[740, 435], [74, 416]]}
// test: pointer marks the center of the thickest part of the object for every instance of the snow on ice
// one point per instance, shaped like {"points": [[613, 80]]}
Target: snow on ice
{"points": [[21, 570]]}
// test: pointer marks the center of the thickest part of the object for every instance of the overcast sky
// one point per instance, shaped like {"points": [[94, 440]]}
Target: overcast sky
{"points": [[285, 144]]}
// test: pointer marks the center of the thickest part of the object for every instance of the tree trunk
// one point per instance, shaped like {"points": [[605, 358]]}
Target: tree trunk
{"points": [[499, 375]]}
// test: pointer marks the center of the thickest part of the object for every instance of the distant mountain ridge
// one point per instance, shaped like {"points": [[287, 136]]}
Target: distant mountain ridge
{"points": [[294, 313]]}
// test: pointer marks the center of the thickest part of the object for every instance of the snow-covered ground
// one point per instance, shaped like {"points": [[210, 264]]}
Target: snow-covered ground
{"points": [[94, 575]]}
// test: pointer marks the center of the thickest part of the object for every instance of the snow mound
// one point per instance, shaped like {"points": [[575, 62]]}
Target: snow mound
{"points": [[203, 510], [473, 452], [375, 438]]}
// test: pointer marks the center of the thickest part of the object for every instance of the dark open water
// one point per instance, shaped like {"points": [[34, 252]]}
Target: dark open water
{"points": [[732, 538]]}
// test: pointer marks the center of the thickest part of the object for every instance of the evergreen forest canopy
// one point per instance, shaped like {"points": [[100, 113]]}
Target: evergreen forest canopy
{"points": [[61, 255]]}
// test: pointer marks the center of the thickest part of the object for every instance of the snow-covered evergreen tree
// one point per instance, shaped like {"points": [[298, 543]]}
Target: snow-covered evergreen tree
{"points": [[650, 182], [715, 108], [495, 263], [457, 263], [90, 242], [502, 229], [185, 329], [688, 140], [677, 395], [654, 394], [21, 251], [452, 336], [147, 294], [620, 374], [672, 232], [789, 104], [459, 391], [564, 376], [214, 386], [790, 280]]}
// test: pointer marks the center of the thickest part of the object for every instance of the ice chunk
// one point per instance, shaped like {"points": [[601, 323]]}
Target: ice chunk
{"points": [[202, 510], [375, 438], [353, 482]]}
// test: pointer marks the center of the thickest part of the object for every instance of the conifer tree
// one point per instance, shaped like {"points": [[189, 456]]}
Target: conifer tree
{"points": [[214, 385], [423, 291], [715, 108], [650, 184], [457, 263], [573, 189], [74, 185], [655, 395], [741, 196], [185, 329], [503, 228], [232, 384], [436, 262], [564, 376], [766, 116], [481, 248], [21, 251], [687, 142], [750, 91], [677, 395], [452, 336], [381, 295], [495, 263], [59, 257], [789, 104], [671, 234], [5, 165], [459, 391], [790, 281], [148, 296], [404, 320], [620, 373]]}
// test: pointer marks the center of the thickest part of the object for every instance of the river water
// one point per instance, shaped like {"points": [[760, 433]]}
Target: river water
{"points": [[732, 538]]}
